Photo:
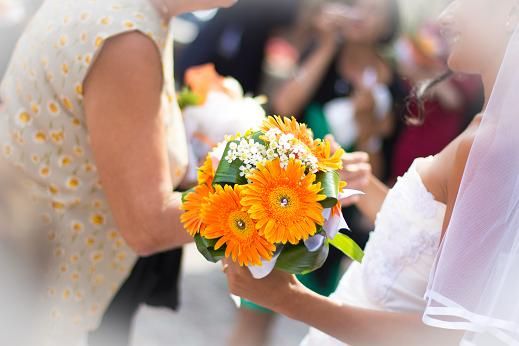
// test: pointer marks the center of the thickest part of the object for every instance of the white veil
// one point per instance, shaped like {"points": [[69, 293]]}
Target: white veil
{"points": [[474, 285]]}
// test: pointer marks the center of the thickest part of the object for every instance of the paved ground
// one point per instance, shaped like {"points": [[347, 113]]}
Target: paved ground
{"points": [[206, 315]]}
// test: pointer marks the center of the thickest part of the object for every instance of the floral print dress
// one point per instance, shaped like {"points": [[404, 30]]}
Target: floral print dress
{"points": [[43, 134]]}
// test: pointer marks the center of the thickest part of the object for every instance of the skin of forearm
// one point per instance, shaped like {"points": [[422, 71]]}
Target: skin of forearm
{"points": [[371, 203], [166, 231], [151, 224], [356, 326], [296, 92]]}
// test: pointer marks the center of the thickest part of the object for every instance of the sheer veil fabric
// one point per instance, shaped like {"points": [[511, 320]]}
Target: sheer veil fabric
{"points": [[474, 284]]}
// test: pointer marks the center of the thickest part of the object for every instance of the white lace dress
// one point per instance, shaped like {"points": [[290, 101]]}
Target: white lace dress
{"points": [[399, 255]]}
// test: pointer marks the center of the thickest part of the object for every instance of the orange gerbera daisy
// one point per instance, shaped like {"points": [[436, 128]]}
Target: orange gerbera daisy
{"points": [[326, 160], [284, 202], [289, 126], [203, 79], [206, 172], [232, 226], [193, 206]]}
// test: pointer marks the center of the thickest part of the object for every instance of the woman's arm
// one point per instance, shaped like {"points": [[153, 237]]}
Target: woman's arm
{"points": [[296, 92], [122, 104], [371, 203], [282, 293]]}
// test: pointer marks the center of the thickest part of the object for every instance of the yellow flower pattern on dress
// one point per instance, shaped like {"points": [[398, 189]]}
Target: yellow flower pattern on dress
{"points": [[40, 137], [24, 118], [43, 132], [53, 108]]}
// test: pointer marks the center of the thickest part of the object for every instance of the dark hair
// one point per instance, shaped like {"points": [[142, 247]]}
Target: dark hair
{"points": [[416, 111], [394, 23]]}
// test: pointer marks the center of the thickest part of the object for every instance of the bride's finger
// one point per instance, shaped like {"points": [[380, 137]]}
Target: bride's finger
{"points": [[349, 176], [357, 167], [333, 143], [225, 265], [355, 158]]}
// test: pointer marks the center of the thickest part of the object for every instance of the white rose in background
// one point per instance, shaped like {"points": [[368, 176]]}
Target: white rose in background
{"points": [[216, 107]]}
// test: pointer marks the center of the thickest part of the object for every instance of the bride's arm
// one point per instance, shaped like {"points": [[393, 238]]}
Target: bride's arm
{"points": [[375, 194], [282, 293]]}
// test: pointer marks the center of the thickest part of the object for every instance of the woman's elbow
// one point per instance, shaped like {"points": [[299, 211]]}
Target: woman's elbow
{"points": [[140, 225], [141, 243]]}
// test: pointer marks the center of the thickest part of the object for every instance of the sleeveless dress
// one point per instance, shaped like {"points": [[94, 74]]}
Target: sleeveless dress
{"points": [[43, 134], [398, 257]]}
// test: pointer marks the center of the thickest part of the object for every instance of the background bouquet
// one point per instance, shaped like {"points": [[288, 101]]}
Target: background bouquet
{"points": [[270, 198], [214, 106]]}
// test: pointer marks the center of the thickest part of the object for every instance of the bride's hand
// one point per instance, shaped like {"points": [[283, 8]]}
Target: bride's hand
{"points": [[271, 292], [356, 171]]}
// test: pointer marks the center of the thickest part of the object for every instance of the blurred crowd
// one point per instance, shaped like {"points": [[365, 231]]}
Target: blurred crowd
{"points": [[345, 68]]}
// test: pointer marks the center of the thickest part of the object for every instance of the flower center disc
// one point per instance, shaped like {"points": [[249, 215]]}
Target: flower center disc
{"points": [[241, 224], [284, 201]]}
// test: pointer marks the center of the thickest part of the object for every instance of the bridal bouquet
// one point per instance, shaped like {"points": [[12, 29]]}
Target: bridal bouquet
{"points": [[270, 198], [213, 107]]}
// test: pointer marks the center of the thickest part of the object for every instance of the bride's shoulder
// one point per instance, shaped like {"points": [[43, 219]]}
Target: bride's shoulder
{"points": [[457, 151], [465, 141]]}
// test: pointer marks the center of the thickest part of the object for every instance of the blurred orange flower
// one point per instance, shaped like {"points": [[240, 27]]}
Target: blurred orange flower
{"points": [[204, 79]]}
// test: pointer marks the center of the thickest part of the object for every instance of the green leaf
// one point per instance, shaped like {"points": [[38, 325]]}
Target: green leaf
{"points": [[187, 98], [296, 259], [345, 244], [206, 248], [257, 137], [330, 187], [229, 173]]}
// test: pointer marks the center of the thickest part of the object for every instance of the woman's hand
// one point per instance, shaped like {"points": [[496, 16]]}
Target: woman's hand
{"points": [[367, 122], [356, 171], [325, 25], [271, 292], [364, 100]]}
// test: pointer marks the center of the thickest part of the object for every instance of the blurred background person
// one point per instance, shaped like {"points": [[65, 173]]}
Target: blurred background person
{"points": [[235, 40], [344, 86]]}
